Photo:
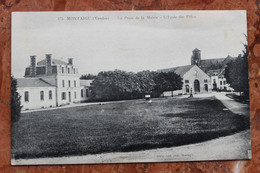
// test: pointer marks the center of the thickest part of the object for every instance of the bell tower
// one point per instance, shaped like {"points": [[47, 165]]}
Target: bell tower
{"points": [[196, 57]]}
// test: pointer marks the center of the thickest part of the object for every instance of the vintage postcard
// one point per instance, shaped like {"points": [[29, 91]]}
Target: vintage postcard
{"points": [[129, 86]]}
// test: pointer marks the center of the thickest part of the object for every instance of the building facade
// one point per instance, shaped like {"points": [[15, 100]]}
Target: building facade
{"points": [[202, 75], [215, 69], [49, 83], [194, 80]]}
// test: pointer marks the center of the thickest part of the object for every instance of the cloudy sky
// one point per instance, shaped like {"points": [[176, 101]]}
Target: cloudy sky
{"points": [[125, 40]]}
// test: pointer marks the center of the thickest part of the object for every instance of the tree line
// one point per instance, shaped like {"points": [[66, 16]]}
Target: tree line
{"points": [[122, 85], [236, 73]]}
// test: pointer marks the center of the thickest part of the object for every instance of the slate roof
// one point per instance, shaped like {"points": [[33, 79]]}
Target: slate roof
{"points": [[208, 65], [54, 62], [212, 72], [84, 82], [32, 82], [181, 70], [209, 62]]}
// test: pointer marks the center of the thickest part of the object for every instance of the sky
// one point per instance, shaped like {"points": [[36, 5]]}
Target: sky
{"points": [[126, 40]]}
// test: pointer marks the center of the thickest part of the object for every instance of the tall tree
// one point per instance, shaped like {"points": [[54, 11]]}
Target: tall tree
{"points": [[15, 101], [167, 81], [145, 82], [236, 73]]}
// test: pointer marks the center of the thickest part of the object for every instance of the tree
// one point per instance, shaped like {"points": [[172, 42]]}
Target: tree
{"points": [[88, 76], [121, 85], [15, 101], [236, 73], [114, 85], [169, 81], [146, 82], [174, 82]]}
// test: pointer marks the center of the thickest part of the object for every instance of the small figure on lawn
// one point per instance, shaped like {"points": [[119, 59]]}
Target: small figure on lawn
{"points": [[191, 95]]}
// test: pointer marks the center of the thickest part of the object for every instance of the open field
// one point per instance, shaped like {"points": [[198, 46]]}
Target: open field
{"points": [[125, 126]]}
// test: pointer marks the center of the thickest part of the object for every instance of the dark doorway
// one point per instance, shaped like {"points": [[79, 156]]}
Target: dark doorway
{"points": [[187, 89], [206, 87], [196, 85], [69, 96]]}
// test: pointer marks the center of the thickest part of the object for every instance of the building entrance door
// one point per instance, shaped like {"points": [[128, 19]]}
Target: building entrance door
{"points": [[187, 89], [196, 85], [206, 87], [69, 96]]}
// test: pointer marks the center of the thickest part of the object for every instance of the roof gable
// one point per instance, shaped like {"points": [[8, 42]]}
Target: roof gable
{"points": [[180, 70], [32, 82]]}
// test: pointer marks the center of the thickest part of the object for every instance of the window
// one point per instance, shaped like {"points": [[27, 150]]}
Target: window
{"points": [[214, 80], [42, 95], [63, 96], [69, 82], [187, 81], [75, 94], [26, 96], [62, 69], [74, 71], [81, 92], [63, 83], [75, 84], [205, 81], [86, 92], [224, 82], [220, 82], [69, 70], [50, 95]]}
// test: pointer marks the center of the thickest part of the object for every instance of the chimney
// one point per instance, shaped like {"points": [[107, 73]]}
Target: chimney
{"points": [[48, 64], [33, 66], [70, 61]]}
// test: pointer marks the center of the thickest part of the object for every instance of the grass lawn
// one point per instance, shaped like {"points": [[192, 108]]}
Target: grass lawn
{"points": [[124, 126]]}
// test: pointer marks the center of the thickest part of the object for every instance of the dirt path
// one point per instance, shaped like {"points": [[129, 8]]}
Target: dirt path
{"points": [[234, 106]]}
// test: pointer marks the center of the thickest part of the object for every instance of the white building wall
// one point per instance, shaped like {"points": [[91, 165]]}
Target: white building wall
{"points": [[73, 89], [84, 93], [195, 73], [221, 83], [190, 76], [35, 101]]}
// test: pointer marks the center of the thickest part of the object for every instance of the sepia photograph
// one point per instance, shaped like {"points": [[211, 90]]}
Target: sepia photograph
{"points": [[129, 87]]}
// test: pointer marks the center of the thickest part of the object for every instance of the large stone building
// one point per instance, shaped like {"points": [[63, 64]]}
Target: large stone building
{"points": [[215, 68], [202, 75], [51, 82], [194, 79]]}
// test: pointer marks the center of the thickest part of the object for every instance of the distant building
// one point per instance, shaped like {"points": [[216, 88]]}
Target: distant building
{"points": [[194, 79], [51, 82], [215, 68], [202, 75]]}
